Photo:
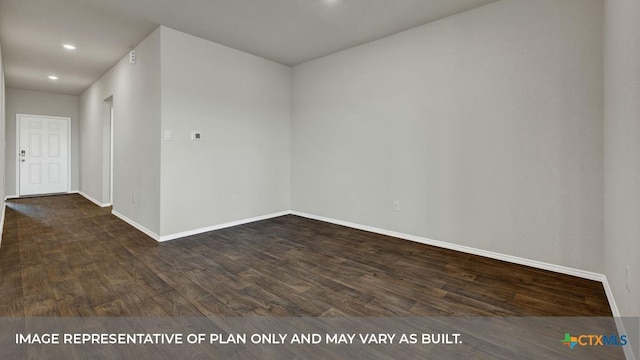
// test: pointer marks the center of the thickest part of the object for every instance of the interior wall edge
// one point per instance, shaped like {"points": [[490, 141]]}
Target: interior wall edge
{"points": [[88, 197], [143, 229], [183, 234]]}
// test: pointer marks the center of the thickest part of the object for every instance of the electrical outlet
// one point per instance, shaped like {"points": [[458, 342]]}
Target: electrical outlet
{"points": [[396, 206], [234, 198], [626, 278]]}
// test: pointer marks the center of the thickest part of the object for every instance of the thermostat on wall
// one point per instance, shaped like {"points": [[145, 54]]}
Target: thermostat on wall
{"points": [[196, 135]]}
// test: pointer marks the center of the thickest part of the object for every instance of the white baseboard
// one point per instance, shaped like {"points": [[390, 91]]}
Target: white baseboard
{"points": [[492, 255], [612, 303], [143, 229], [628, 350], [9, 197], [465, 249], [441, 244], [222, 226], [175, 236], [4, 210], [86, 196]]}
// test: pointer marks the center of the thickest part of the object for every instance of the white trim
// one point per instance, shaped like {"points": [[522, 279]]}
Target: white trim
{"points": [[143, 229], [86, 196], [607, 289], [183, 234], [18, 155], [628, 350], [465, 249], [68, 120], [4, 210], [111, 152], [10, 197], [492, 255], [69, 150], [222, 226]]}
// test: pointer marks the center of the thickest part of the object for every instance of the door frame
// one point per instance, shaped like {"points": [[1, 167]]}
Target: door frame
{"points": [[111, 154], [68, 120]]}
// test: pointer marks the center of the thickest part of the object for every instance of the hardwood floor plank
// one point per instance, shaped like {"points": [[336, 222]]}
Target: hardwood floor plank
{"points": [[64, 256]]}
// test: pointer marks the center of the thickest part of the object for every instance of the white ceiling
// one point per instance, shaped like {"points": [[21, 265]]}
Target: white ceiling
{"points": [[286, 31]]}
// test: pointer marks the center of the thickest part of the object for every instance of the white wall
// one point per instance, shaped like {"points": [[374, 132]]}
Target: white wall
{"points": [[241, 103], [20, 101], [486, 126], [136, 99], [622, 152]]}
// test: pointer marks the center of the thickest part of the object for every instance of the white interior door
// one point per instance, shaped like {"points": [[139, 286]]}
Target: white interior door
{"points": [[43, 154]]}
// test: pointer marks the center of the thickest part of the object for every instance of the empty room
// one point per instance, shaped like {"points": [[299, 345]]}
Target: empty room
{"points": [[320, 179]]}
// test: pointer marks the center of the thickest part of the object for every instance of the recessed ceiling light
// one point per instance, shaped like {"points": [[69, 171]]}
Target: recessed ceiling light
{"points": [[68, 46], [53, 77]]}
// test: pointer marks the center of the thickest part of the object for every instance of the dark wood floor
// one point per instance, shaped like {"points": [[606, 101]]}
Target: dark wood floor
{"points": [[64, 256]]}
